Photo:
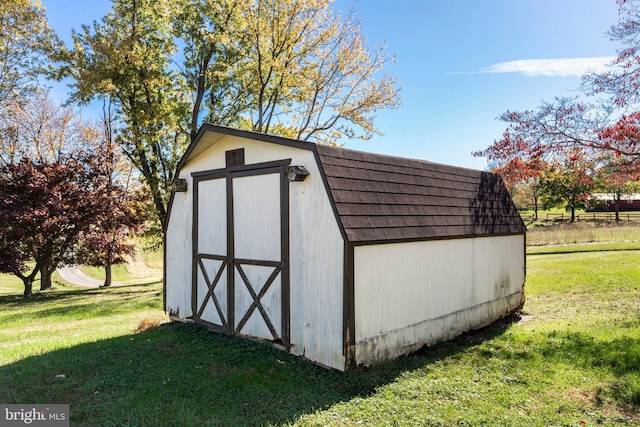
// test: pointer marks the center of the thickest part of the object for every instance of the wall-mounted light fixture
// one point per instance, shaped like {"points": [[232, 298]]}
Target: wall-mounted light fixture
{"points": [[297, 173], [179, 185]]}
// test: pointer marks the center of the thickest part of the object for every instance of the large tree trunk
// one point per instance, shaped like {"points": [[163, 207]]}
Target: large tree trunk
{"points": [[28, 286], [617, 205], [28, 282], [573, 212], [107, 275], [45, 277]]}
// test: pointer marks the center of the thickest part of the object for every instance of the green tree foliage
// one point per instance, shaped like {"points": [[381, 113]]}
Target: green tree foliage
{"points": [[210, 32], [286, 67], [125, 58], [567, 182], [308, 69], [25, 44]]}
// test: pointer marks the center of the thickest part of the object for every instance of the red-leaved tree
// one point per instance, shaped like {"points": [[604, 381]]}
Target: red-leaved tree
{"points": [[108, 240], [45, 208], [607, 123], [523, 176], [551, 132]]}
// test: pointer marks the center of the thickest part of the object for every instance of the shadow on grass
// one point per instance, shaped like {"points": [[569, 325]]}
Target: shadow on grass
{"points": [[141, 290], [182, 374], [76, 293], [82, 302], [620, 356]]}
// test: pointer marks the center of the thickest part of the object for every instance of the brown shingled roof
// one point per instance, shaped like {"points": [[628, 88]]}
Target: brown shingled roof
{"points": [[385, 198]]}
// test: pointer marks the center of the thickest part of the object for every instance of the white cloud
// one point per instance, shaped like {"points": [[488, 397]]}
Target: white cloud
{"points": [[561, 67]]}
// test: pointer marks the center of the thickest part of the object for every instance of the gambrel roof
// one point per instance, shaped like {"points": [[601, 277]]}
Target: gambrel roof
{"points": [[379, 198], [384, 198]]}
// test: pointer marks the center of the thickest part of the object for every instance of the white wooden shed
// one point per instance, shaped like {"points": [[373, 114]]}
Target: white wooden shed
{"points": [[344, 257]]}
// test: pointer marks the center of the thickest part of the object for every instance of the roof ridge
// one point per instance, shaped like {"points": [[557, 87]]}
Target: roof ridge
{"points": [[322, 147]]}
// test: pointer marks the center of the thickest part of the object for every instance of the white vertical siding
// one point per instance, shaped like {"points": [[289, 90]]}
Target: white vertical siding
{"points": [[257, 236], [177, 268], [212, 239], [317, 271], [316, 250], [178, 241], [412, 294]]}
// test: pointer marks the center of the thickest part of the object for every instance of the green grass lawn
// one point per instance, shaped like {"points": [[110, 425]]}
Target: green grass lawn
{"points": [[571, 358], [145, 267], [10, 284], [580, 233]]}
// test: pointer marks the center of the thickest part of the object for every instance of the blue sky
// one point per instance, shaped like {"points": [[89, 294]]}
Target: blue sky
{"points": [[461, 63]]}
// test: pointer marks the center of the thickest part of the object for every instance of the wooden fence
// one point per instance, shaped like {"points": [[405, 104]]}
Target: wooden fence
{"points": [[592, 216]]}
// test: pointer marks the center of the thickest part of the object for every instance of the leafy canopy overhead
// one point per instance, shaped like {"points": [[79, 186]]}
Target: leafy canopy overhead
{"points": [[25, 44], [126, 59], [286, 67]]}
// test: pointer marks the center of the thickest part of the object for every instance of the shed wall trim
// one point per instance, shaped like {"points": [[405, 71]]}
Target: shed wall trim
{"points": [[395, 343], [421, 292], [349, 325]]}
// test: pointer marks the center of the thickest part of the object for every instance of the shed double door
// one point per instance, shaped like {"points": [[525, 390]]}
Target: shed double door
{"points": [[241, 251]]}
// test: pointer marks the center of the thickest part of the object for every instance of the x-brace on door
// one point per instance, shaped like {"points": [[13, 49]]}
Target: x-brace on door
{"points": [[241, 251]]}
